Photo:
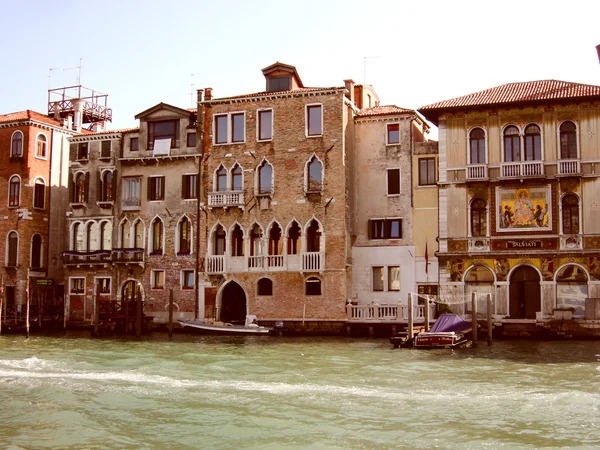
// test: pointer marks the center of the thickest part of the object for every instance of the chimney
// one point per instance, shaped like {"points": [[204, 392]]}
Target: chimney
{"points": [[98, 127], [350, 88], [200, 94], [207, 94]]}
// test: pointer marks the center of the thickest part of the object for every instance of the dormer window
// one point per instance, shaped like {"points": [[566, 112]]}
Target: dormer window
{"points": [[281, 83], [165, 129]]}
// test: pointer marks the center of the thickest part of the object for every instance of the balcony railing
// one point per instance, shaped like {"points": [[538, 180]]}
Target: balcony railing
{"points": [[304, 262], [87, 257], [128, 255], [386, 313], [312, 262], [477, 172], [568, 167], [274, 261], [129, 204], [215, 264], [226, 199], [522, 169]]}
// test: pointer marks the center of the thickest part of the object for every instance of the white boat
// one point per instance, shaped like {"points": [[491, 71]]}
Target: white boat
{"points": [[249, 328]]}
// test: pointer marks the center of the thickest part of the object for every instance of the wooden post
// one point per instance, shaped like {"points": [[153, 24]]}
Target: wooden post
{"points": [[410, 319], [490, 323], [64, 302], [125, 306], [474, 317], [2, 314], [170, 314], [27, 308], [426, 313], [138, 318], [96, 314]]}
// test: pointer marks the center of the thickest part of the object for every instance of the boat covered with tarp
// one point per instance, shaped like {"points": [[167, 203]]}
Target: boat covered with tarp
{"points": [[448, 331]]}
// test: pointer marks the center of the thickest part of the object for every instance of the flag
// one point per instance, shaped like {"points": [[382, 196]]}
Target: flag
{"points": [[426, 259]]}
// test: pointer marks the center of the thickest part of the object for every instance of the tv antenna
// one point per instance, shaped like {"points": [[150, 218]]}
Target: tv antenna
{"points": [[192, 89], [365, 67], [64, 69]]}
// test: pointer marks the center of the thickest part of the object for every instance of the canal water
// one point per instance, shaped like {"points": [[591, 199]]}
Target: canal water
{"points": [[305, 393]]}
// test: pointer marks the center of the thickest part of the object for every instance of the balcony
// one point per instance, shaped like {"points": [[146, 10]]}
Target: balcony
{"points": [[91, 257], [478, 172], [215, 264], [226, 199], [569, 167], [522, 169], [131, 204], [128, 255], [304, 262]]}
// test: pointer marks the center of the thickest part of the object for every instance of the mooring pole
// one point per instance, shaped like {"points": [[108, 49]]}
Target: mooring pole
{"points": [[426, 312], [27, 308], [170, 314], [138, 318], [96, 314], [474, 317], [410, 319], [490, 323], [1, 302]]}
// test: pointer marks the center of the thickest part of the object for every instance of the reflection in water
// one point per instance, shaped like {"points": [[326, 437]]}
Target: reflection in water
{"points": [[266, 392]]}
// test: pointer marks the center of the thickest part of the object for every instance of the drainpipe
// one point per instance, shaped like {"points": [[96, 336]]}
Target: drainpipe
{"points": [[200, 146]]}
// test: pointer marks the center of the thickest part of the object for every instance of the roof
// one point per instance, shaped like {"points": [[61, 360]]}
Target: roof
{"points": [[269, 94], [28, 115], [522, 93], [162, 105], [284, 67], [384, 110], [89, 133]]}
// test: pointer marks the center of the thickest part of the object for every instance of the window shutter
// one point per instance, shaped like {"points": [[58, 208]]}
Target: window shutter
{"points": [[162, 187], [400, 225], [113, 183], [72, 152], [183, 178], [370, 229], [148, 190], [87, 186], [71, 188]]}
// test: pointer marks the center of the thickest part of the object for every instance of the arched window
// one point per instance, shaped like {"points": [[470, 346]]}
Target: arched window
{"points": [[313, 237], [138, 234], [12, 249], [314, 175], [265, 178], [39, 194], [477, 146], [92, 237], [219, 241], [36, 251], [14, 191], [125, 233], [236, 178], [40, 148], [312, 286], [512, 144], [16, 145], [533, 143], [570, 214], [275, 241], [157, 236], [80, 188], [237, 241], [256, 241], [185, 235], [78, 237], [265, 286], [105, 236], [106, 194], [294, 234], [568, 140], [478, 217], [221, 179]]}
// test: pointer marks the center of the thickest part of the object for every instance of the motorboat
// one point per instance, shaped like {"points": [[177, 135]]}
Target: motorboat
{"points": [[250, 327], [448, 331]]}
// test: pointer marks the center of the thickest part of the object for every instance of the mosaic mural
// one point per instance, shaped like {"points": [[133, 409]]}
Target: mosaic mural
{"points": [[524, 209]]}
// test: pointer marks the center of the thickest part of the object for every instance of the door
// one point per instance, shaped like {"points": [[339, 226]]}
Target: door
{"points": [[525, 298], [233, 304]]}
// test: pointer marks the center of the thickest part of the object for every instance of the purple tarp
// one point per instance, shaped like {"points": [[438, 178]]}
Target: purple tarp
{"points": [[450, 322]]}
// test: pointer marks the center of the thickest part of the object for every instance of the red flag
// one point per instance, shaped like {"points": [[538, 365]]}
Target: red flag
{"points": [[426, 259]]}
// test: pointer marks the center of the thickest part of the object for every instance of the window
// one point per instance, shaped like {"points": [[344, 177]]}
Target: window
{"points": [[156, 188], [221, 179], [105, 236], [157, 279], [478, 217], [570, 214], [106, 186], [81, 184], [189, 186], [103, 285], [236, 178], [377, 279], [385, 229], [229, 128], [92, 236], [77, 237], [134, 144], [275, 241], [138, 234], [385, 278], [164, 129], [393, 133], [426, 171], [82, 151], [277, 84], [185, 235], [393, 283], [477, 146], [237, 241], [265, 286], [191, 140], [265, 178], [16, 145], [568, 140], [294, 235], [313, 237], [105, 149], [12, 249], [314, 120], [125, 232], [512, 144], [131, 191], [219, 241], [40, 147], [157, 237], [533, 143], [14, 191], [256, 241], [187, 279], [265, 124], [39, 194], [312, 286], [314, 175], [36, 252], [393, 182], [77, 285]]}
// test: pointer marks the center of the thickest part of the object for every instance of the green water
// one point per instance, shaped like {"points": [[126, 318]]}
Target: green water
{"points": [[313, 393]]}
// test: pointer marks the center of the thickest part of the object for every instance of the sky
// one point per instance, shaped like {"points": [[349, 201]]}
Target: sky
{"points": [[142, 53]]}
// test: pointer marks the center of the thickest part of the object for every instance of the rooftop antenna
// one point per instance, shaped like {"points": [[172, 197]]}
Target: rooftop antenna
{"points": [[365, 67], [192, 90], [50, 74]]}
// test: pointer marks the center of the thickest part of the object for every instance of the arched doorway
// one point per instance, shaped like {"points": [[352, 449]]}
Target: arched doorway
{"points": [[233, 304], [479, 279], [572, 288], [130, 293], [525, 297]]}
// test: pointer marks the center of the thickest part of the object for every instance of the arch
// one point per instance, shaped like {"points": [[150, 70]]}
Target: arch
{"points": [[313, 174], [124, 233], [105, 235], [16, 144], [80, 191], [156, 236], [568, 141], [313, 231], [524, 292], [219, 239], [275, 234], [294, 237], [477, 147], [139, 231], [106, 193], [92, 234], [572, 287], [532, 137], [41, 144], [479, 279], [313, 286], [14, 191], [511, 142], [264, 286], [184, 235], [36, 251], [12, 249], [472, 274], [232, 303], [220, 180], [129, 292], [237, 239], [265, 177], [256, 239], [77, 236], [39, 193], [569, 212], [237, 177], [478, 217]]}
